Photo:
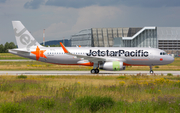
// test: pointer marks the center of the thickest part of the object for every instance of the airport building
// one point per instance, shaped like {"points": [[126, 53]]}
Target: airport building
{"points": [[165, 38]]}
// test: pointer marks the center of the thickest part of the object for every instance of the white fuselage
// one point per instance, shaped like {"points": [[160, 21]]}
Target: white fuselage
{"points": [[129, 56]]}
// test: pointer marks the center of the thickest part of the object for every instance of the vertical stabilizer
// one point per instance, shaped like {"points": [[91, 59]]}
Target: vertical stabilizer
{"points": [[24, 38]]}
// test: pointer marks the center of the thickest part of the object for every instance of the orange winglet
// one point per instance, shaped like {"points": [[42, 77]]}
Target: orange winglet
{"points": [[65, 50]]}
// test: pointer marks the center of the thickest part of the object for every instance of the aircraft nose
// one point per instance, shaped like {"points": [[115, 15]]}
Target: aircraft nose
{"points": [[170, 59]]}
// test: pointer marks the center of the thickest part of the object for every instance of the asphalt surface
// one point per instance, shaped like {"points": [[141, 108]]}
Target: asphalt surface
{"points": [[101, 73]]}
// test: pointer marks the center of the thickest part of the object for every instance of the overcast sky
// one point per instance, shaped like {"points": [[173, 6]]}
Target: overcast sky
{"points": [[62, 18]]}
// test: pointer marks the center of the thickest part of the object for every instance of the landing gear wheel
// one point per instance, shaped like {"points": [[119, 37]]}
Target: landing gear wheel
{"points": [[93, 71], [151, 72], [97, 70]]}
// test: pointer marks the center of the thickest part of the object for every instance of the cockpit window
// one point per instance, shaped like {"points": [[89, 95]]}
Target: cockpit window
{"points": [[163, 53]]}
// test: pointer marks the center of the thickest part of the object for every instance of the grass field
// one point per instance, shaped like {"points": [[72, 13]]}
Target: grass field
{"points": [[85, 94], [6, 56]]}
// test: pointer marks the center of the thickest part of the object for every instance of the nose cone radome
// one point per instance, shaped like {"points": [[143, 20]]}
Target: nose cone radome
{"points": [[169, 59]]}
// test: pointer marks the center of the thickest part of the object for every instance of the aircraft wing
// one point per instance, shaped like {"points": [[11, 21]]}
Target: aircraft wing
{"points": [[91, 59]]}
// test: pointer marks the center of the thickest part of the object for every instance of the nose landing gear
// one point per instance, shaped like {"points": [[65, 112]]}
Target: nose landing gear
{"points": [[151, 71]]}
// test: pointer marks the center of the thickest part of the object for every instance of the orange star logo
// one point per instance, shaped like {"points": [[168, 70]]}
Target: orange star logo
{"points": [[39, 53]]}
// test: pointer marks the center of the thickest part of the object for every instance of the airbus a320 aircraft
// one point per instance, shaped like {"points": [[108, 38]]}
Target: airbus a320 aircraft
{"points": [[106, 58]]}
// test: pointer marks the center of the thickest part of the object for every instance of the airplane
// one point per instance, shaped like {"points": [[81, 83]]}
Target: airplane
{"points": [[105, 58]]}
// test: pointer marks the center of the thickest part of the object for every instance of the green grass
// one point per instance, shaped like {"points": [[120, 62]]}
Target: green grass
{"points": [[22, 76], [93, 103], [9, 56], [169, 74], [36, 65], [10, 107], [147, 94]]}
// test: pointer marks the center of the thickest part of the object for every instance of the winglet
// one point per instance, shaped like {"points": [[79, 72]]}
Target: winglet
{"points": [[65, 50]]}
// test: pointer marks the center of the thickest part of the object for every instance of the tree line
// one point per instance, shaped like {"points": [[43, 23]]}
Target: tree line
{"points": [[4, 48]]}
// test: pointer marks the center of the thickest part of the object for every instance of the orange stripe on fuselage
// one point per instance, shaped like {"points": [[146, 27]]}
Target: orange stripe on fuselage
{"points": [[83, 64], [91, 64], [125, 64]]}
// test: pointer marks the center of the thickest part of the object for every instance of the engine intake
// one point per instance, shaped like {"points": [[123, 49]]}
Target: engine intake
{"points": [[112, 66]]}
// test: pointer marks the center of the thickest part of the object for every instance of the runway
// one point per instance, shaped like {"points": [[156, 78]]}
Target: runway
{"points": [[75, 73]]}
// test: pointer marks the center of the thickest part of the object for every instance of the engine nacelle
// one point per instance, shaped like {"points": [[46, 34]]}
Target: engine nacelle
{"points": [[112, 66]]}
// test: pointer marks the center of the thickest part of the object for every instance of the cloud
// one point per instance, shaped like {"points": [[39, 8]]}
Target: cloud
{"points": [[34, 4], [97, 16], [63, 21], [2, 1], [151, 3], [138, 3], [55, 31], [80, 3]]}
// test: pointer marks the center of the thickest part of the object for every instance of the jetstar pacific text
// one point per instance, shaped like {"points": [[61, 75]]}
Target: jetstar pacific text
{"points": [[136, 53]]}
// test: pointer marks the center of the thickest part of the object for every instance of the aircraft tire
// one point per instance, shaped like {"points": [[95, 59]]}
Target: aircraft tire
{"points": [[151, 72], [93, 71], [97, 70]]}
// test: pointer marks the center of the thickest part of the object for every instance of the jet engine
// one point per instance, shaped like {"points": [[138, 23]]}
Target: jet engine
{"points": [[112, 66]]}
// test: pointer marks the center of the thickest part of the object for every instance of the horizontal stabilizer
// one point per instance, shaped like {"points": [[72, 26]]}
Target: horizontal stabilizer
{"points": [[19, 51]]}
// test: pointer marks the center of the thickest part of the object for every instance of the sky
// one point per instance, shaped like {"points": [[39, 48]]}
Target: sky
{"points": [[63, 18]]}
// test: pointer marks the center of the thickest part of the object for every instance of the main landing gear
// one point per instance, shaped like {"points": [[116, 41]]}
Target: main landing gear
{"points": [[94, 71], [151, 71]]}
